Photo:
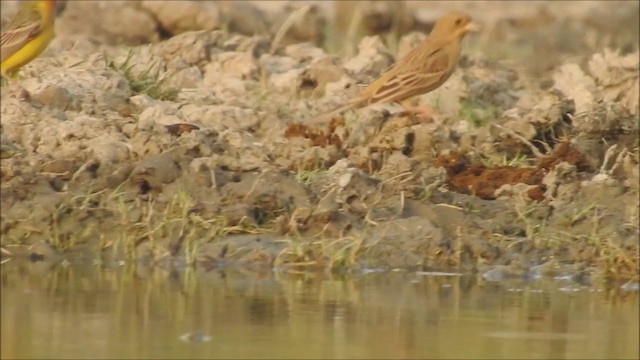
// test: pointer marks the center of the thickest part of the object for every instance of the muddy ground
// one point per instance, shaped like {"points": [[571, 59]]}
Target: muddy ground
{"points": [[174, 133]]}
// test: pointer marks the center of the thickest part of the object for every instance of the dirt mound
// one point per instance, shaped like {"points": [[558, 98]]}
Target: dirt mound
{"points": [[189, 145]]}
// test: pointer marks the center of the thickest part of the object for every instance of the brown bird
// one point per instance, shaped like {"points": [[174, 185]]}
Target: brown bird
{"points": [[422, 70]]}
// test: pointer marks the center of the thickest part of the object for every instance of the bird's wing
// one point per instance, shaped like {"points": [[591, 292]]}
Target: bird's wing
{"points": [[26, 26], [418, 77]]}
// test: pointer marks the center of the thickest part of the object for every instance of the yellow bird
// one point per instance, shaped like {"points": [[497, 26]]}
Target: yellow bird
{"points": [[27, 35]]}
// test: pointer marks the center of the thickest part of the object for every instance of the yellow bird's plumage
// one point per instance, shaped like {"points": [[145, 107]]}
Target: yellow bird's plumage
{"points": [[422, 70], [26, 35]]}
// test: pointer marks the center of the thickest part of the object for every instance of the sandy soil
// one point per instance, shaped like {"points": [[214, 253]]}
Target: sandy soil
{"points": [[175, 133]]}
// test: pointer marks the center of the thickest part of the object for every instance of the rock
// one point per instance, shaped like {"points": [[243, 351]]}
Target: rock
{"points": [[192, 48], [577, 86], [188, 77], [373, 57], [319, 73], [90, 91], [154, 171], [109, 22], [109, 149], [618, 77], [288, 81], [604, 118], [55, 97], [219, 117], [562, 174], [491, 86], [240, 65], [159, 114], [272, 64], [177, 17], [404, 243], [304, 52]]}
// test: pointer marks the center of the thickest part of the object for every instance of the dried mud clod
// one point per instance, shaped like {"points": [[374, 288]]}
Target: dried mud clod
{"points": [[477, 179], [179, 129], [318, 137]]}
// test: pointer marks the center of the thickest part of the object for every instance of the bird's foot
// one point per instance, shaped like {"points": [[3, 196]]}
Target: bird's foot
{"points": [[13, 87], [421, 112]]}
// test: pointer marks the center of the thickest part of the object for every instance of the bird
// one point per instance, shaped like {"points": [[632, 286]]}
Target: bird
{"points": [[26, 35], [422, 70]]}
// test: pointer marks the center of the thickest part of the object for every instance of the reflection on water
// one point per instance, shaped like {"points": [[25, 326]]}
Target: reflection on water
{"points": [[129, 312]]}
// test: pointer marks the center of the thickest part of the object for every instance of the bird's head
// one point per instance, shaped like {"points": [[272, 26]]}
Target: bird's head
{"points": [[456, 24], [44, 6], [51, 8], [48, 5]]}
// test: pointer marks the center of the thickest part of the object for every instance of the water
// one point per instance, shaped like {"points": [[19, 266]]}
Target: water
{"points": [[129, 312]]}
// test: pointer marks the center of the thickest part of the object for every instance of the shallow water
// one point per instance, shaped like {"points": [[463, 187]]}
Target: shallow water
{"points": [[129, 312]]}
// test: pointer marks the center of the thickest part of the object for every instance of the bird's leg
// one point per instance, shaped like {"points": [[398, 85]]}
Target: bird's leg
{"points": [[422, 112], [5, 80], [11, 84]]}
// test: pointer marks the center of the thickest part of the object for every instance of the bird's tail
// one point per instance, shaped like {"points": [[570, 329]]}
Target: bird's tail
{"points": [[328, 115]]}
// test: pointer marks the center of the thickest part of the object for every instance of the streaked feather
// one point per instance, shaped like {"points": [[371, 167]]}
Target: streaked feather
{"points": [[33, 24], [13, 40]]}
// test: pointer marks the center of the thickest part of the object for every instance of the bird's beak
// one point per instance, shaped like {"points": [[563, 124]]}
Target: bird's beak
{"points": [[472, 27]]}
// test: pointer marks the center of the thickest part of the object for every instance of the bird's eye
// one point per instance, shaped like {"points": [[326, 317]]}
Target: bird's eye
{"points": [[458, 21]]}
